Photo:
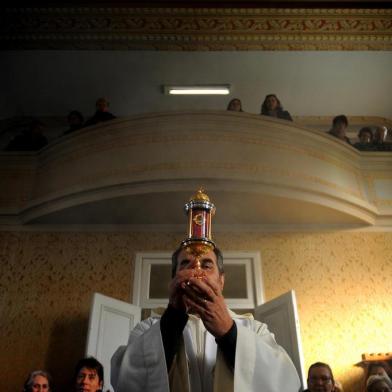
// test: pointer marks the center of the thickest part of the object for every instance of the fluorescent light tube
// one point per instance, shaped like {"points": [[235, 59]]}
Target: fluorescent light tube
{"points": [[197, 90]]}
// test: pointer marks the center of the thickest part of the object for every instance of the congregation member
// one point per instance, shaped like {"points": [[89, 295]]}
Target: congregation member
{"points": [[365, 137], [376, 368], [379, 383], [102, 113], [273, 108], [32, 138], [88, 375], [38, 381], [380, 137], [75, 121], [339, 126], [320, 378], [235, 105], [198, 344]]}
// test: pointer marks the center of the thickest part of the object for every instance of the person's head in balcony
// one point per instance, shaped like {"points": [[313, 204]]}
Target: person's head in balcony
{"points": [[102, 112], [273, 108], [380, 135], [102, 105], [339, 126], [235, 105], [365, 135], [75, 121], [365, 140], [31, 139]]}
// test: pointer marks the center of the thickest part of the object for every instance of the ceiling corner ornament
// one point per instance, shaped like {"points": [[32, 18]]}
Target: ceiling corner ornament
{"points": [[199, 29]]}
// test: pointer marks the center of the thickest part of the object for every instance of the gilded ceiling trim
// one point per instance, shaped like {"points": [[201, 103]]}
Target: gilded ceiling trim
{"points": [[199, 29]]}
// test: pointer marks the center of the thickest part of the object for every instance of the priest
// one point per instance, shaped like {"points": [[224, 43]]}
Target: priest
{"points": [[198, 344]]}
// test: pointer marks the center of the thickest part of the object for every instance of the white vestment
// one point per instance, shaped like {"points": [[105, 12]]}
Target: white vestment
{"points": [[260, 363]]}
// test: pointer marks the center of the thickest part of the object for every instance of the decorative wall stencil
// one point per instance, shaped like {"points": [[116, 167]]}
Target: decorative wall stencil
{"points": [[196, 28]]}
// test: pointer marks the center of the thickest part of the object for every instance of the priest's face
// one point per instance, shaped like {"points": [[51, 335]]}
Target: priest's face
{"points": [[320, 380], [205, 266]]}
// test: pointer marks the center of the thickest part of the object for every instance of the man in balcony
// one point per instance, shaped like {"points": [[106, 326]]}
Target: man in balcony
{"points": [[339, 126], [102, 113]]}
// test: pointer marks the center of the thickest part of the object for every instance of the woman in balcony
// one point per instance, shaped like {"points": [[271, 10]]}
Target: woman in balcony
{"points": [[272, 107], [235, 105]]}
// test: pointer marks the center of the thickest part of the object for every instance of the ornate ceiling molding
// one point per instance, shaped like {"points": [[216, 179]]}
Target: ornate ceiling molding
{"points": [[201, 29]]}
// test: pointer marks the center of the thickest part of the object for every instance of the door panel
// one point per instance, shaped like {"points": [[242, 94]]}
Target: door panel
{"points": [[110, 323], [281, 316]]}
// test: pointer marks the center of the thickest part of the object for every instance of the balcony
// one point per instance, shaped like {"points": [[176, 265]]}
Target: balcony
{"points": [[261, 172]]}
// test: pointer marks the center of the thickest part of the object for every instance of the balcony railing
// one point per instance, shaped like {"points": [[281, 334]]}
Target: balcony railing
{"points": [[140, 170]]}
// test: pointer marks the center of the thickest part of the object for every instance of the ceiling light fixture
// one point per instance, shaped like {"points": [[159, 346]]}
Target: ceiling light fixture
{"points": [[223, 89]]}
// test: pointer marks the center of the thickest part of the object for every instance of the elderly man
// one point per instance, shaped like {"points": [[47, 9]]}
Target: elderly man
{"points": [[320, 378], [199, 345]]}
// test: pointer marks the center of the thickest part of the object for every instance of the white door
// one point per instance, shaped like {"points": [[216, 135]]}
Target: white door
{"points": [[281, 316], [110, 323]]}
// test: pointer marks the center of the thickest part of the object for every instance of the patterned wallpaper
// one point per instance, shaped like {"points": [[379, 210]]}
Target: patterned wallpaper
{"points": [[342, 282]]}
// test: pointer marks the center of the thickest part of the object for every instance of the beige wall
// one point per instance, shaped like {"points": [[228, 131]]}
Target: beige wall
{"points": [[308, 83], [342, 281]]}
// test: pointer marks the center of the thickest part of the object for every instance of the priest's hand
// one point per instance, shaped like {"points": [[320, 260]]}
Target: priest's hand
{"points": [[176, 289], [204, 297]]}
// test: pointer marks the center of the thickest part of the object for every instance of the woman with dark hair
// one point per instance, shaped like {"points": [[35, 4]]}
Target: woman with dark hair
{"points": [[235, 105], [38, 381], [272, 107]]}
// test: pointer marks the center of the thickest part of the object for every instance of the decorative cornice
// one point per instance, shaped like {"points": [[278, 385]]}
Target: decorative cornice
{"points": [[162, 28]]}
